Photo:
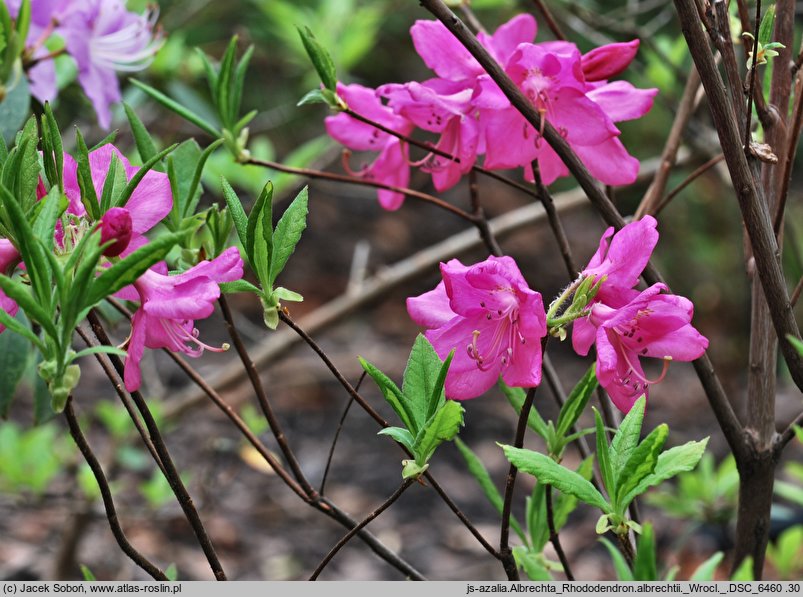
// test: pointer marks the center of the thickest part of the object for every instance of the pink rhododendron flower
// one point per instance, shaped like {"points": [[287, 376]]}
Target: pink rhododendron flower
{"points": [[650, 325], [115, 225], [169, 306], [9, 256], [391, 166], [148, 205], [488, 315], [626, 324]]}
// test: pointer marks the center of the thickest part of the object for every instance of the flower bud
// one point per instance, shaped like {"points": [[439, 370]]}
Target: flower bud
{"points": [[605, 62], [115, 225]]}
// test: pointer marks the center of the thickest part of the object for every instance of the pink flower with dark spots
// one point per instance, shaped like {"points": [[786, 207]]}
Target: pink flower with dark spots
{"points": [[391, 166], [650, 325], [169, 306], [488, 315]]}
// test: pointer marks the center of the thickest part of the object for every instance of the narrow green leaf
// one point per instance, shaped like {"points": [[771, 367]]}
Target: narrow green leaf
{"points": [[239, 286], [707, 569], [565, 504], [235, 207], [438, 396], [259, 236], [641, 463], [604, 456], [173, 105], [537, 524], [644, 565], [14, 355], [480, 473], [392, 394], [320, 58], [744, 573], [531, 563], [577, 401], [20, 329], [53, 205], [674, 461], [20, 294], [109, 184], [129, 188], [145, 145], [105, 141], [550, 472], [223, 91], [623, 572], [87, 574], [127, 270], [55, 145], [239, 83], [420, 376], [99, 350], [626, 438], [442, 427], [765, 30], [287, 234], [211, 72], [89, 196], [516, 397], [193, 194], [404, 437]]}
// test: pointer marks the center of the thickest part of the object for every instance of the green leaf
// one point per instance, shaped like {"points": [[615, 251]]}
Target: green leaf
{"points": [[402, 436], [193, 194], [707, 569], [129, 188], [320, 57], [565, 504], [744, 573], [235, 207], [145, 145], [391, 392], [442, 427], [259, 236], [127, 270], [14, 108], [516, 397], [14, 324], [623, 572], [480, 473], [420, 379], [565, 480], [577, 401], [20, 294], [223, 91], [627, 436], [644, 566], [99, 350], [641, 463], [238, 286], [674, 461], [115, 178], [54, 144], [765, 30], [87, 573], [531, 563], [287, 234], [604, 456], [89, 196], [237, 90], [52, 206], [283, 294], [173, 105], [171, 572], [14, 356]]}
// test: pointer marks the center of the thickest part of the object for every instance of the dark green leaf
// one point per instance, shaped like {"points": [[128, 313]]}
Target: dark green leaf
{"points": [[20, 294], [626, 438], [145, 145], [550, 472], [52, 206], [442, 427], [89, 195], [674, 461], [576, 402], [14, 355], [259, 236], [641, 463], [237, 213], [129, 188], [391, 392], [320, 58], [173, 105], [193, 195], [604, 457], [239, 83], [287, 234], [420, 376]]}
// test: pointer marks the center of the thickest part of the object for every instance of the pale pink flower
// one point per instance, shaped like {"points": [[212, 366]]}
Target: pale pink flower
{"points": [[488, 315], [169, 306]]}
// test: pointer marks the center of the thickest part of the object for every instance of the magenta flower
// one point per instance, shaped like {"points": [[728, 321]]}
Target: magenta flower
{"points": [[391, 166], [105, 38], [115, 225], [148, 205], [9, 257], [488, 315], [650, 325], [169, 306]]}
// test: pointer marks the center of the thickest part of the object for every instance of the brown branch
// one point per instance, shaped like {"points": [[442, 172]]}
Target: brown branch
{"points": [[752, 74], [106, 495], [347, 537], [554, 223], [787, 434], [337, 434], [481, 222], [550, 20], [695, 174], [171, 473], [310, 173], [554, 538]]}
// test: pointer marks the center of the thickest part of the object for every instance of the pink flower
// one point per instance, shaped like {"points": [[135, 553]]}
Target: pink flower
{"points": [[169, 306], [391, 166], [148, 205], [115, 225], [650, 325], [9, 256], [488, 315]]}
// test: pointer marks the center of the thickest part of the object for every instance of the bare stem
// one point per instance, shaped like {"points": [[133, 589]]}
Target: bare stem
{"points": [[106, 495], [554, 222], [347, 537], [550, 20], [554, 538], [337, 434]]}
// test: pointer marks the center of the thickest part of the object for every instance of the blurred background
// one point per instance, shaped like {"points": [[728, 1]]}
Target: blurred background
{"points": [[51, 519]]}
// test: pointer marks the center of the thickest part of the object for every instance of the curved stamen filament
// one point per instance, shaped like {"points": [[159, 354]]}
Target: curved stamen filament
{"points": [[643, 378]]}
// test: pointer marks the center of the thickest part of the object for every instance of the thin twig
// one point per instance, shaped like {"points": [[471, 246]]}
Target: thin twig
{"points": [[481, 221], [687, 181], [171, 473], [310, 173], [262, 398], [554, 538], [554, 222], [550, 20], [347, 537], [796, 292], [752, 75], [787, 434], [106, 495], [337, 434]]}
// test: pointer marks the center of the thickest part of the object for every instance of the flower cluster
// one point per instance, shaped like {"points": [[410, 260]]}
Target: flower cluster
{"points": [[168, 304], [102, 36], [488, 315], [473, 117]]}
